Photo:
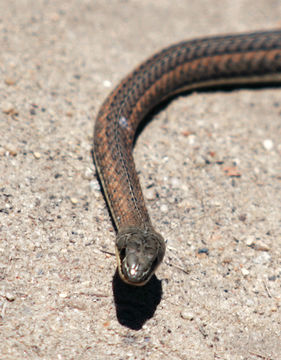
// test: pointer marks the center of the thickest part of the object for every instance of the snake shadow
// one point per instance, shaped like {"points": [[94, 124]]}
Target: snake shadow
{"points": [[227, 88], [136, 304]]}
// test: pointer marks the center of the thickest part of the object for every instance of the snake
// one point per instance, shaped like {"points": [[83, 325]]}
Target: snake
{"points": [[236, 59]]}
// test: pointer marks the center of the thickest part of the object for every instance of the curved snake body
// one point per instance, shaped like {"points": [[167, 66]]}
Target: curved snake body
{"points": [[214, 61]]}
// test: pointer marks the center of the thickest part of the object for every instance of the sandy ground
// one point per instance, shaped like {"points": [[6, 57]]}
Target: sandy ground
{"points": [[218, 293]]}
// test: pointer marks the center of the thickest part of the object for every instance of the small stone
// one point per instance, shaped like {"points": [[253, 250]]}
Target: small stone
{"points": [[186, 133], [94, 186], [260, 246], [200, 161], [227, 260], [88, 174], [242, 217], [164, 208], [107, 83], [73, 200], [8, 108], [10, 81], [37, 155], [11, 150], [268, 144], [63, 295], [10, 296], [203, 251], [257, 170], [187, 315], [250, 241], [77, 304], [175, 182], [150, 194], [232, 171], [264, 258], [245, 272], [192, 139], [272, 278]]}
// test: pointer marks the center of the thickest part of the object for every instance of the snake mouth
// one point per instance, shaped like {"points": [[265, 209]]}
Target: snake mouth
{"points": [[131, 270]]}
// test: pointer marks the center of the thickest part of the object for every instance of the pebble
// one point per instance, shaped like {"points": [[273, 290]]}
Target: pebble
{"points": [[199, 161], [73, 200], [272, 278], [187, 315], [175, 182], [260, 246], [245, 272], [94, 186], [37, 155], [191, 139], [242, 217], [250, 302], [264, 258], [11, 150], [10, 81], [250, 240], [232, 171], [88, 174], [76, 304], [69, 113], [150, 194], [8, 108], [203, 251], [186, 133], [268, 144], [164, 208], [227, 260], [63, 295], [107, 83], [10, 296], [257, 170]]}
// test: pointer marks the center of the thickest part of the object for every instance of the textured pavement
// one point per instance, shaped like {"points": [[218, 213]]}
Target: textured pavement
{"points": [[210, 166]]}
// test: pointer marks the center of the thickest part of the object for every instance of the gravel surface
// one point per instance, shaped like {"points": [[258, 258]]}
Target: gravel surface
{"points": [[211, 171]]}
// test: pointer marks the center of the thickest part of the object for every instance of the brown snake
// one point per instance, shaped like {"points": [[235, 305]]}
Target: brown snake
{"points": [[234, 59]]}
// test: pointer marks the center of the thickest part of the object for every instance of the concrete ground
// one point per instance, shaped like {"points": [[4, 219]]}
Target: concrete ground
{"points": [[211, 171]]}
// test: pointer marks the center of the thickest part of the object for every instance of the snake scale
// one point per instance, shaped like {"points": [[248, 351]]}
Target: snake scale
{"points": [[207, 62]]}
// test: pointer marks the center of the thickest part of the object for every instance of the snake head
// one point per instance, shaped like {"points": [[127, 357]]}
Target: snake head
{"points": [[139, 252]]}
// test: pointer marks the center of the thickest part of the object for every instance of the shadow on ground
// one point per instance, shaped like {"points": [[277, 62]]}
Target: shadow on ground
{"points": [[134, 304]]}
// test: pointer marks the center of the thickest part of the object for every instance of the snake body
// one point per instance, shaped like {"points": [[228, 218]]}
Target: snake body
{"points": [[214, 61]]}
